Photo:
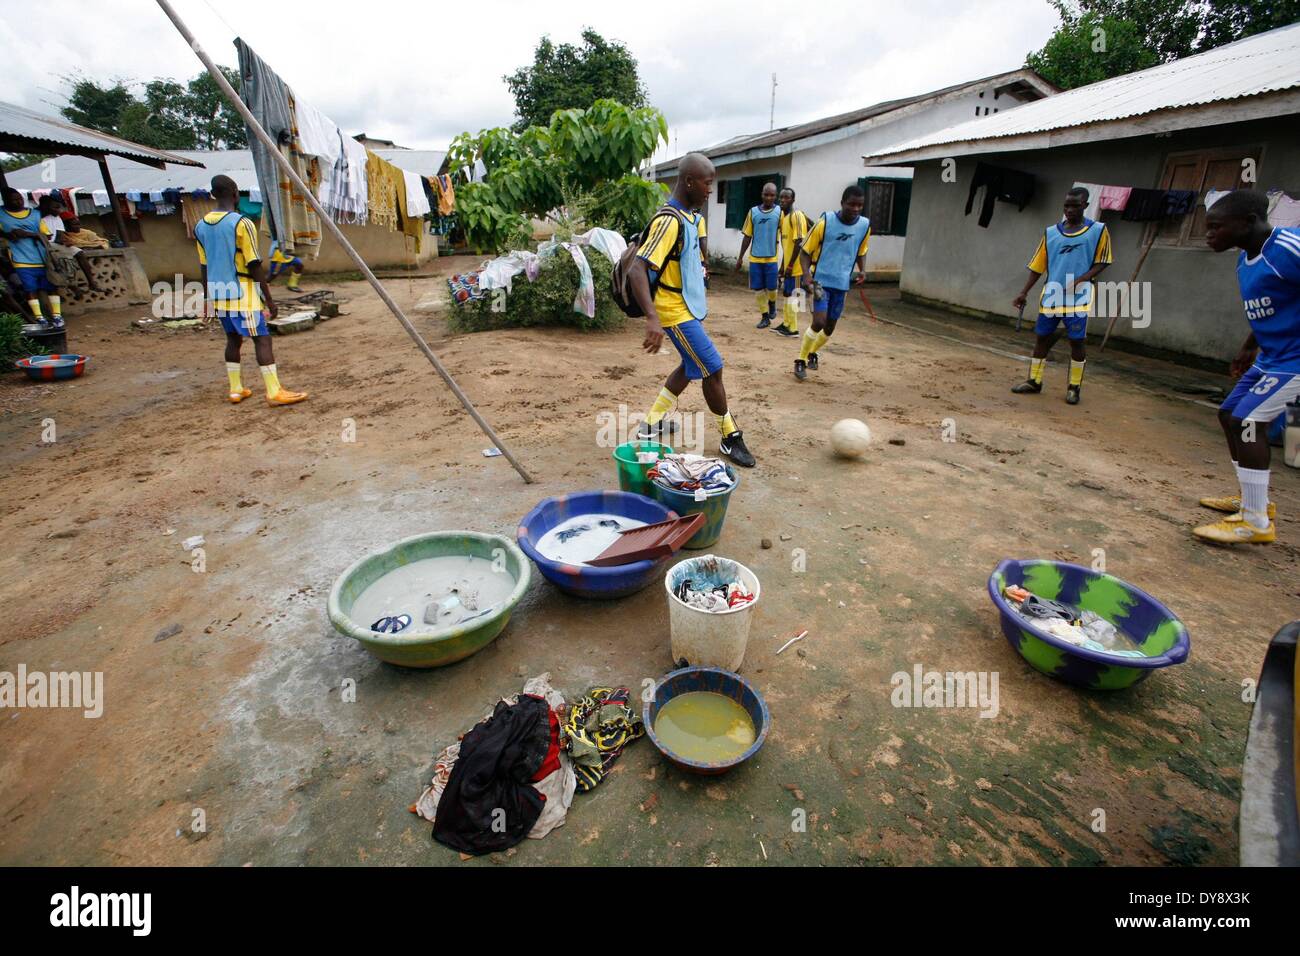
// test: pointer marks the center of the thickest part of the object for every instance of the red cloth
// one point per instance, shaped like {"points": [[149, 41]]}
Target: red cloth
{"points": [[552, 761]]}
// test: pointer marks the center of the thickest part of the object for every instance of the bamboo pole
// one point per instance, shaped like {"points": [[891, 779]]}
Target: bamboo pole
{"points": [[256, 128]]}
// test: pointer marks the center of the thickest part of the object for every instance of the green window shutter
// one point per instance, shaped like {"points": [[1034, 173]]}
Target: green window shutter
{"points": [[736, 205]]}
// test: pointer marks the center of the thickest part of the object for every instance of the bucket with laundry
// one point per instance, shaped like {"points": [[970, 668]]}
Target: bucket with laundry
{"points": [[711, 603], [693, 484], [633, 459]]}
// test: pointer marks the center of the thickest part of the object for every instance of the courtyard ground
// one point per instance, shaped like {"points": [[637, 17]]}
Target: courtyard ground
{"points": [[223, 688]]}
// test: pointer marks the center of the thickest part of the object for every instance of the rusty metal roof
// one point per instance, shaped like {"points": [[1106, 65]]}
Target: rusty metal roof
{"points": [[25, 131]]}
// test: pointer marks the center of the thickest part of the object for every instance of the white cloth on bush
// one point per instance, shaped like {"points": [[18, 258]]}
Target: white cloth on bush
{"points": [[606, 240]]}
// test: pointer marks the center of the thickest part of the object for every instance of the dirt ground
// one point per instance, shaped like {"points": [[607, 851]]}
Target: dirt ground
{"points": [[238, 714]]}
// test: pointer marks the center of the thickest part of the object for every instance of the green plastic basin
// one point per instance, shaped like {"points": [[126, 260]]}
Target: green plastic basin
{"points": [[428, 648]]}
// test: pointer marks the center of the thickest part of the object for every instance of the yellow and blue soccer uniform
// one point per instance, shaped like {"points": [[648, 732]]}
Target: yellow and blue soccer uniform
{"points": [[834, 246], [763, 227], [671, 251], [1064, 256], [1270, 292], [27, 254], [794, 230], [278, 260], [228, 247]]}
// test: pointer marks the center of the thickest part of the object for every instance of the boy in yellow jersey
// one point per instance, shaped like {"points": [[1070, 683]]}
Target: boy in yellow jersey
{"points": [[1072, 253], [762, 228], [28, 253], [232, 273], [839, 243], [794, 230], [669, 258]]}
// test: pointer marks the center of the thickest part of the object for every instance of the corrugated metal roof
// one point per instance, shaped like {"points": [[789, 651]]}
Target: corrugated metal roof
{"points": [[1265, 63], [19, 123], [81, 172], [789, 134]]}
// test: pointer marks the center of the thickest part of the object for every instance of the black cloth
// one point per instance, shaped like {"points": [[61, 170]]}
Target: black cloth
{"points": [[1179, 202], [497, 761], [1145, 205], [999, 182]]}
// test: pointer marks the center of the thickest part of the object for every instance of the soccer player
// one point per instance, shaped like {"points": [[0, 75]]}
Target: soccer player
{"points": [[232, 273], [670, 256], [763, 229], [1072, 253], [29, 255], [281, 263], [1268, 273], [839, 243], [794, 230]]}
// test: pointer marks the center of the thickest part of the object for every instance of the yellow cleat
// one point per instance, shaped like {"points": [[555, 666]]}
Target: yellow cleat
{"points": [[236, 397], [1235, 529], [286, 397], [1231, 504]]}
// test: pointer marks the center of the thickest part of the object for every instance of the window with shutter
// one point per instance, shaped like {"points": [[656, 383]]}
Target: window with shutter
{"points": [[887, 204], [1202, 171]]}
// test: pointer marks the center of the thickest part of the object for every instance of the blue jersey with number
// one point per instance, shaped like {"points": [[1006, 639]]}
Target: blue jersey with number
{"points": [[1270, 292]]}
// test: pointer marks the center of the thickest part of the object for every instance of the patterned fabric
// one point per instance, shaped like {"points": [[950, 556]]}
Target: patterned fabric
{"points": [[302, 234], [381, 195], [464, 288], [600, 724]]}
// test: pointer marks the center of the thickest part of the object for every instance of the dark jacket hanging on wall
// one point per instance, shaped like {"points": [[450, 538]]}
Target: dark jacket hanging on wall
{"points": [[1145, 205], [998, 182], [498, 759]]}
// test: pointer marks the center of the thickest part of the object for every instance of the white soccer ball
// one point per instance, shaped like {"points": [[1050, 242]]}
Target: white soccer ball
{"points": [[850, 438]]}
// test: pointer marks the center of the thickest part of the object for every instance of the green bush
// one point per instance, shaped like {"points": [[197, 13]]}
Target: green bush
{"points": [[547, 301], [13, 344]]}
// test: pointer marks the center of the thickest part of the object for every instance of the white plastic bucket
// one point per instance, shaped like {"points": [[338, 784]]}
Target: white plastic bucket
{"points": [[704, 638]]}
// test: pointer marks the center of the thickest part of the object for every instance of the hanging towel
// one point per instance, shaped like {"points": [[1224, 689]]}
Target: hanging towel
{"points": [[100, 197], [1094, 198], [1214, 195], [381, 199], [446, 196], [417, 203], [1114, 197], [133, 195], [317, 134], [267, 98], [1145, 205], [1179, 202]]}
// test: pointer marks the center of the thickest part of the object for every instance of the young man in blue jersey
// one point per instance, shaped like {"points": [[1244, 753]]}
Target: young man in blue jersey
{"points": [[30, 257], [831, 259], [670, 253], [1071, 253], [1268, 274], [232, 274], [762, 228]]}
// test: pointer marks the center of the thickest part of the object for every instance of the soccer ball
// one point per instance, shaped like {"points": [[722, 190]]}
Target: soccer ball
{"points": [[850, 438]]}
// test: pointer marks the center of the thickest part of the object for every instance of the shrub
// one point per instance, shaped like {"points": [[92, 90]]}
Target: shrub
{"points": [[13, 344], [547, 301]]}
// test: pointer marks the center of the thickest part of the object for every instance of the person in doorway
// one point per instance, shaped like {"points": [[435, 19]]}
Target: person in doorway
{"points": [[235, 279], [1071, 253], [762, 229], [28, 253], [670, 260], [1268, 365], [831, 259], [794, 230]]}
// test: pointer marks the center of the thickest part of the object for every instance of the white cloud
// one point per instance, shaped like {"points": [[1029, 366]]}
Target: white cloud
{"points": [[419, 73]]}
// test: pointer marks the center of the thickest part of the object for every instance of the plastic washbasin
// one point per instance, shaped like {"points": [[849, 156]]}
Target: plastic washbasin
{"points": [[718, 681], [45, 368]]}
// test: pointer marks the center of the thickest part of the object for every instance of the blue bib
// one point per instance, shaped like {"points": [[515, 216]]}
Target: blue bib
{"points": [[764, 226], [28, 252], [692, 266], [839, 250], [219, 248], [1069, 257]]}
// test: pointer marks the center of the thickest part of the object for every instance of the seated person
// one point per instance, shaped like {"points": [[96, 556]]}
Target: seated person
{"points": [[53, 229]]}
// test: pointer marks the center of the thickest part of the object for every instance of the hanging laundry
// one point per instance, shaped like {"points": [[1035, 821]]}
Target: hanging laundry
{"points": [[1114, 197], [253, 210], [317, 134], [302, 235], [446, 196], [464, 288], [1214, 195], [417, 203], [1282, 209], [193, 210], [1179, 202], [599, 727], [346, 198], [1146, 205], [267, 98], [1094, 198], [381, 197], [100, 198], [607, 241], [998, 182]]}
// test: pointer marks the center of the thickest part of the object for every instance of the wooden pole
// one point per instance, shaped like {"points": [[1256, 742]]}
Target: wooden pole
{"points": [[1133, 278], [112, 200], [332, 228]]}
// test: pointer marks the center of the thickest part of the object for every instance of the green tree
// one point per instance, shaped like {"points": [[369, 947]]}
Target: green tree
{"points": [[166, 115], [580, 168], [1100, 39], [12, 161], [573, 77]]}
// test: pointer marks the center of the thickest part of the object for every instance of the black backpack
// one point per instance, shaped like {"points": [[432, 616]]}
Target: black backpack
{"points": [[620, 284]]}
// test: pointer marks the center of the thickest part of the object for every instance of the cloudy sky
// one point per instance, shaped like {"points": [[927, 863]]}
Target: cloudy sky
{"points": [[426, 72]]}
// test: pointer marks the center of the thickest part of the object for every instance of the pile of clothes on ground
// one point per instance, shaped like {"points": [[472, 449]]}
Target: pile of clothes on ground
{"points": [[1077, 627], [692, 473], [714, 598], [514, 774]]}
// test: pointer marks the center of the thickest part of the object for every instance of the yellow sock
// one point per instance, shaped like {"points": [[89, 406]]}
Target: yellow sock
{"points": [[35, 306], [56, 306], [271, 379], [761, 298], [791, 315], [293, 280], [1036, 366], [232, 373], [821, 340], [726, 424], [1076, 372], [662, 406], [771, 302], [808, 345]]}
